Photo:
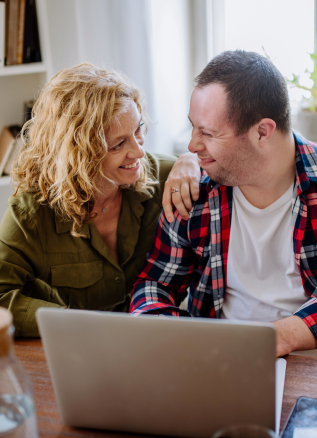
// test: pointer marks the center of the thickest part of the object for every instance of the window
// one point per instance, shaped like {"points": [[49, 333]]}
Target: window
{"points": [[285, 28]]}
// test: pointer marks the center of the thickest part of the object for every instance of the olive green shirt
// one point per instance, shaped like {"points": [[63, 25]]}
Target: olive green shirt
{"points": [[42, 265]]}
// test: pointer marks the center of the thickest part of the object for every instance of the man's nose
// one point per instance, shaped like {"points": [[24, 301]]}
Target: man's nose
{"points": [[195, 144]]}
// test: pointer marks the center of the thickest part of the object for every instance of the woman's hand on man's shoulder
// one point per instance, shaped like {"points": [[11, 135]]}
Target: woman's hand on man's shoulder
{"points": [[182, 186]]}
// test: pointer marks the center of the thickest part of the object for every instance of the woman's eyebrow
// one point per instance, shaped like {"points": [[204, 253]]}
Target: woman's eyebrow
{"points": [[122, 136]]}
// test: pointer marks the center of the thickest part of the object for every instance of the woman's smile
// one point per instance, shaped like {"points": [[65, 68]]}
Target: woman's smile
{"points": [[132, 167]]}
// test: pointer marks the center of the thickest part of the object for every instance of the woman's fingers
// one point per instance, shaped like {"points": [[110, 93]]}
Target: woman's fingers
{"points": [[194, 188], [184, 200], [184, 177], [181, 200], [167, 203]]}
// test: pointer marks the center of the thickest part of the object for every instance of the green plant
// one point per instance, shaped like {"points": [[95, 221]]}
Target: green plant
{"points": [[294, 82]]}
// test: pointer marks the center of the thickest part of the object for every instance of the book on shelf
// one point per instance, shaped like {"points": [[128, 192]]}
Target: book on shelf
{"points": [[12, 23], [22, 42], [14, 152], [6, 145], [21, 32], [31, 49], [28, 107], [9, 147], [2, 31]]}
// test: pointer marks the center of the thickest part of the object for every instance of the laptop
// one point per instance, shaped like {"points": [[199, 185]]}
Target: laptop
{"points": [[184, 377]]}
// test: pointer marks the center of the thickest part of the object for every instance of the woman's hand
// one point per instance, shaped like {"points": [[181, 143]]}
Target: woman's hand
{"points": [[185, 177]]}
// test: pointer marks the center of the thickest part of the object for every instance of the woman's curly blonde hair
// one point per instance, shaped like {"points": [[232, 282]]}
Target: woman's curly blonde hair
{"points": [[65, 141]]}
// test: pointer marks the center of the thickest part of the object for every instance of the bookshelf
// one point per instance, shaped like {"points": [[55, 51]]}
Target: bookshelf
{"points": [[22, 69], [20, 83]]}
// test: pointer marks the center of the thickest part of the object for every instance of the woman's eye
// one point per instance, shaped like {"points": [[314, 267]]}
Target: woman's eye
{"points": [[140, 128], [117, 148]]}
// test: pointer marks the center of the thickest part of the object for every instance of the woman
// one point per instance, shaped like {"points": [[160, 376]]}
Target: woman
{"points": [[87, 199]]}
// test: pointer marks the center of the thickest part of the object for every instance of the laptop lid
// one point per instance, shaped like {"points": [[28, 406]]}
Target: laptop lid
{"points": [[167, 376]]}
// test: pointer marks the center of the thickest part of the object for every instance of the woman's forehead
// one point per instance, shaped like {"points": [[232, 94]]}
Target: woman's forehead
{"points": [[124, 122]]}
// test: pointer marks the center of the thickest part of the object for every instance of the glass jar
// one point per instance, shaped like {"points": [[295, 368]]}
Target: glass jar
{"points": [[17, 415]]}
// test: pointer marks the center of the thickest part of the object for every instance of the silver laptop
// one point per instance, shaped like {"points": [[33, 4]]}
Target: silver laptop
{"points": [[184, 377]]}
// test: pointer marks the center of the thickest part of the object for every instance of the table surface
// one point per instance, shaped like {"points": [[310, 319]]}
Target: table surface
{"points": [[301, 373]]}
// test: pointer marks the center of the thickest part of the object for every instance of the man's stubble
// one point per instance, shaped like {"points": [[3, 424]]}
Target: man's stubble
{"points": [[242, 166]]}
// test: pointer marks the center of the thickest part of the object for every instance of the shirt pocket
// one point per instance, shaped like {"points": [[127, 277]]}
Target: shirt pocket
{"points": [[73, 281]]}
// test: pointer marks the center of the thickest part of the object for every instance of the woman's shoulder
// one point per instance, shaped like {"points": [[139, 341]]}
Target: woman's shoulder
{"points": [[25, 211], [23, 217], [24, 202]]}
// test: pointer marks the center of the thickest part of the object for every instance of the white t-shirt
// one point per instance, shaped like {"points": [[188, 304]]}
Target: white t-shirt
{"points": [[263, 281]]}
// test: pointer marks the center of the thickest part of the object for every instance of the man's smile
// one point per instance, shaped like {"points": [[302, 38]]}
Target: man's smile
{"points": [[206, 161]]}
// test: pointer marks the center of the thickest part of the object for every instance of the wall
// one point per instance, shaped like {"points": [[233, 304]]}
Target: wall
{"points": [[149, 40], [172, 71]]}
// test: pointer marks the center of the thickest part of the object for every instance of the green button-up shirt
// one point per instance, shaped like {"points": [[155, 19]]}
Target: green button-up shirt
{"points": [[42, 265]]}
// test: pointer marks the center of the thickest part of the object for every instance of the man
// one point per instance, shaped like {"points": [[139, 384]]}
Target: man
{"points": [[248, 250]]}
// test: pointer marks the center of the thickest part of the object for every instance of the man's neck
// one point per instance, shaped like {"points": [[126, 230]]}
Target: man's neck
{"points": [[275, 176]]}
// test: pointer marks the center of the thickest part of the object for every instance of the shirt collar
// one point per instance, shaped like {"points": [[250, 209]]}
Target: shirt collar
{"points": [[65, 226], [306, 165], [306, 162]]}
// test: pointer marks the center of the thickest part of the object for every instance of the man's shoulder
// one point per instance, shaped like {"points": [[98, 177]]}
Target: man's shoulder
{"points": [[304, 146], [306, 161], [161, 165], [209, 189]]}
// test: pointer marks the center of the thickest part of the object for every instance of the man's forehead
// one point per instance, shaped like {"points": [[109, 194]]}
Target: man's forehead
{"points": [[208, 103], [209, 94]]}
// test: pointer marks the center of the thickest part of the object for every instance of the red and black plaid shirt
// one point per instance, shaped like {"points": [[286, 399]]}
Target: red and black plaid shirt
{"points": [[194, 253]]}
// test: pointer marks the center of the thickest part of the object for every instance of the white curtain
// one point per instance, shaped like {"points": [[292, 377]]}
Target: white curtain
{"points": [[149, 40]]}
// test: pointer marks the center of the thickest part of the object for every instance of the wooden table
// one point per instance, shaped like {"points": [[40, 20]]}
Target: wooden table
{"points": [[301, 380]]}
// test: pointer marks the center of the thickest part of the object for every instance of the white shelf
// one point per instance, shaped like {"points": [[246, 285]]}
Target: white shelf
{"points": [[5, 180], [22, 69], [20, 83]]}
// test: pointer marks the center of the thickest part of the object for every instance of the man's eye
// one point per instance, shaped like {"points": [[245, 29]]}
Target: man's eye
{"points": [[205, 133]]}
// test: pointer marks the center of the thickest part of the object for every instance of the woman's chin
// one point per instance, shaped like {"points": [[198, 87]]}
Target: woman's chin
{"points": [[130, 179]]}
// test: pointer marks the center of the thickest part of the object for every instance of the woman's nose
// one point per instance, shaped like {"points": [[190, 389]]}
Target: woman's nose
{"points": [[136, 150], [141, 152]]}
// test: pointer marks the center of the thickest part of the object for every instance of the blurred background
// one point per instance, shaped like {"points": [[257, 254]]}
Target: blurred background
{"points": [[162, 45]]}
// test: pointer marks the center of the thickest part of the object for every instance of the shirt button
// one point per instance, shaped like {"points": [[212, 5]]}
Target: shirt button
{"points": [[118, 280]]}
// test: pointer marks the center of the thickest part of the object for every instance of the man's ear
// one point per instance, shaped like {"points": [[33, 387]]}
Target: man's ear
{"points": [[265, 129]]}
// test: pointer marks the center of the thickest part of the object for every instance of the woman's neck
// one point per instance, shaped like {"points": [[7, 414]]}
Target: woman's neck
{"points": [[105, 199], [106, 212]]}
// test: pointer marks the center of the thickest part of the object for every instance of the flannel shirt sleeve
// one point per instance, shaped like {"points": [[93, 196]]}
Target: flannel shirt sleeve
{"points": [[163, 283], [308, 313]]}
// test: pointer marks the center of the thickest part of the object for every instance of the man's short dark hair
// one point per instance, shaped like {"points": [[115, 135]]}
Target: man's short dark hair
{"points": [[255, 89]]}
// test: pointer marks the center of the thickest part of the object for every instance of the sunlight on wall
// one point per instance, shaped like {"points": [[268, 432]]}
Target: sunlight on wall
{"points": [[171, 62], [285, 28]]}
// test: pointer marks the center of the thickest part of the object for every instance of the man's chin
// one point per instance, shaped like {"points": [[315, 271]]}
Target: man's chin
{"points": [[222, 179]]}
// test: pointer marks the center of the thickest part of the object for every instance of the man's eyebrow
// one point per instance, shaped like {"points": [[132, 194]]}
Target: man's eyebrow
{"points": [[203, 127]]}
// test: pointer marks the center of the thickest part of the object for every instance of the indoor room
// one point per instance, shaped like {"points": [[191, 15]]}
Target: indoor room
{"points": [[158, 218]]}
